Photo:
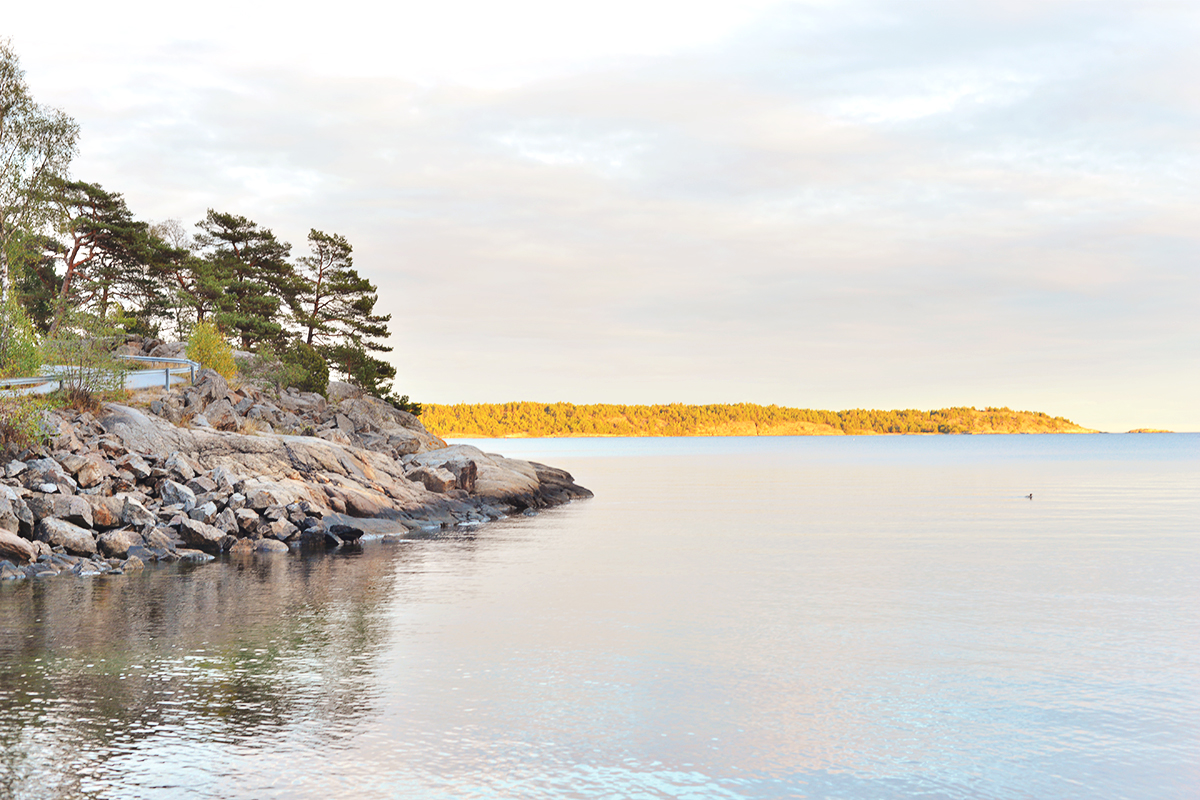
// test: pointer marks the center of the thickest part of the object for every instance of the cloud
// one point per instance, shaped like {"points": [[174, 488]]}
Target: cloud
{"points": [[835, 205]]}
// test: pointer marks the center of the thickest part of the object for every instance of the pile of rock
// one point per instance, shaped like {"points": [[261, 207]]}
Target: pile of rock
{"points": [[115, 490], [347, 417]]}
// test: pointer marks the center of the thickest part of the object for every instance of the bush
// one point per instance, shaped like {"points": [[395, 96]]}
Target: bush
{"points": [[21, 421], [20, 353], [310, 372], [207, 346], [81, 357]]}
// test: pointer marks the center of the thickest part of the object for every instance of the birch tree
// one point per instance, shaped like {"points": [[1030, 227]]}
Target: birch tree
{"points": [[36, 146]]}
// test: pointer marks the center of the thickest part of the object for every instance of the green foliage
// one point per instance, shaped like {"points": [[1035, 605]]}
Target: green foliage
{"points": [[36, 144], [372, 375], [335, 307], [22, 421], [265, 366], [309, 368], [404, 404], [207, 346], [246, 276], [81, 356], [741, 419], [20, 352]]}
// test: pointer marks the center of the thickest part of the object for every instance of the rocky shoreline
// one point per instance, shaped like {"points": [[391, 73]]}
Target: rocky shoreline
{"points": [[209, 469]]}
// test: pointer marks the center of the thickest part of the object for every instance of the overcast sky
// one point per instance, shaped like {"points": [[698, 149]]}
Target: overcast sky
{"points": [[818, 204]]}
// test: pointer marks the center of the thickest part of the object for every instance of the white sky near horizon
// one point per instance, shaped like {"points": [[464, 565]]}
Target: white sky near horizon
{"points": [[815, 204]]}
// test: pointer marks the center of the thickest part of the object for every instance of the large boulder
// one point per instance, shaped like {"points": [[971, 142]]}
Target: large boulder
{"points": [[220, 415], [173, 493], [106, 511], [93, 471], [116, 544], [201, 536], [16, 548], [134, 513], [60, 533], [72, 508]]}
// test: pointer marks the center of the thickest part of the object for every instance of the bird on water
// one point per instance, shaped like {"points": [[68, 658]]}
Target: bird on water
{"points": [[1030, 495]]}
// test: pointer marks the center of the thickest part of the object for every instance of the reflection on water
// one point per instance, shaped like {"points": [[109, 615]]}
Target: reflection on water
{"points": [[869, 618]]}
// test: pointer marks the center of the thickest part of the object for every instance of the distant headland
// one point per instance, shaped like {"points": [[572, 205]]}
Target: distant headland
{"points": [[526, 419]]}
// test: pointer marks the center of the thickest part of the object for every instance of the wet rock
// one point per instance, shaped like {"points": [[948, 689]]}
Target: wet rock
{"points": [[192, 556], [279, 529], [173, 493], [201, 536], [60, 533], [133, 562], [346, 533], [269, 546]]}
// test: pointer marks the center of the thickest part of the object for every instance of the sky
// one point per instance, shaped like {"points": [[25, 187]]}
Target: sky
{"points": [[821, 204]]}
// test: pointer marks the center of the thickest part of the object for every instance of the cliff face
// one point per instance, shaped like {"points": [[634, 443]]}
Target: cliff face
{"points": [[121, 487]]}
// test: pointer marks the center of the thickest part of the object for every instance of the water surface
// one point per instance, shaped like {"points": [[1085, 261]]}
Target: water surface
{"points": [[850, 617]]}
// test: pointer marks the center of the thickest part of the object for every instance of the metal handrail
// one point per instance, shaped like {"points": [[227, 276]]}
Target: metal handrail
{"points": [[184, 363]]}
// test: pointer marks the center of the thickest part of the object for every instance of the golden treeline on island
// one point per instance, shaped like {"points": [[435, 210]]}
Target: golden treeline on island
{"points": [[484, 420]]}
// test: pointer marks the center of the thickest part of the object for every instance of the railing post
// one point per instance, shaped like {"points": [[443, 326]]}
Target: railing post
{"points": [[166, 378]]}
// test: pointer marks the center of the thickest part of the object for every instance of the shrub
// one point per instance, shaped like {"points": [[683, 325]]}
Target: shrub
{"points": [[207, 346], [22, 422], [85, 364], [20, 353], [310, 372]]}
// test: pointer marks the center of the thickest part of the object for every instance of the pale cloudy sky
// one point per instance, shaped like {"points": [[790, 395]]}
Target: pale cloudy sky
{"points": [[822, 204]]}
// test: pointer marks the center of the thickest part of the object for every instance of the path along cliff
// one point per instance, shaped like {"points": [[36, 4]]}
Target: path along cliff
{"points": [[210, 469]]}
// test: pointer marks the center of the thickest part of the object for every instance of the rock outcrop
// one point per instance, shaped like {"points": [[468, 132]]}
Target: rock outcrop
{"points": [[125, 486]]}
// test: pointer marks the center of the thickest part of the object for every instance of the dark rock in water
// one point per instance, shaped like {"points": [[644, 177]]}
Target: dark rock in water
{"points": [[10, 571], [60, 533], [141, 552], [192, 556], [346, 533], [269, 546]]}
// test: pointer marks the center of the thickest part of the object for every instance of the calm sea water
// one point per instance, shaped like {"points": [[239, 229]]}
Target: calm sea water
{"points": [[866, 617]]}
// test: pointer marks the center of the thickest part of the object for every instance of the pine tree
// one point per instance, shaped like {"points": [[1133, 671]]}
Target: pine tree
{"points": [[246, 276], [336, 312]]}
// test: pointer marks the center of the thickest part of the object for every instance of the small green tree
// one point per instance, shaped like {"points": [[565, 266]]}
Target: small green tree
{"points": [[20, 351], [81, 356], [309, 368], [207, 346]]}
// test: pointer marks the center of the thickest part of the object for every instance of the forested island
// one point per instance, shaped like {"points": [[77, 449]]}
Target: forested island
{"points": [[487, 420]]}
